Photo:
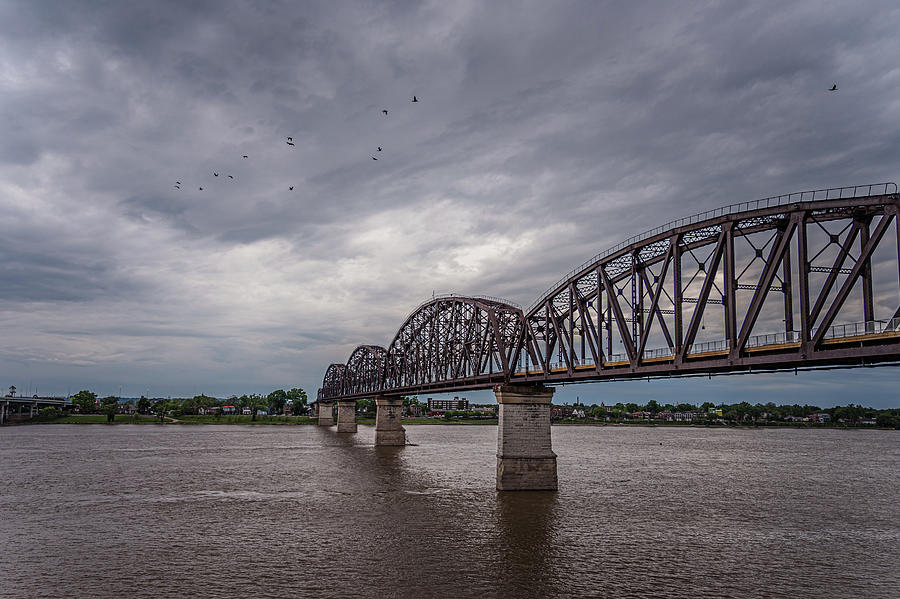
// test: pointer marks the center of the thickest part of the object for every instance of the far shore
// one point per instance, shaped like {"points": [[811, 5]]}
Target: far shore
{"points": [[193, 420]]}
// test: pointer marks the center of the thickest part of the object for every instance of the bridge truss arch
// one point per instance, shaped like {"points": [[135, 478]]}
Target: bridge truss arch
{"points": [[465, 339], [761, 282], [805, 279], [365, 370], [334, 383]]}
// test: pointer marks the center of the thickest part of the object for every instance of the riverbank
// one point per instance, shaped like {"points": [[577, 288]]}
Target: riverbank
{"points": [[189, 419], [193, 419]]}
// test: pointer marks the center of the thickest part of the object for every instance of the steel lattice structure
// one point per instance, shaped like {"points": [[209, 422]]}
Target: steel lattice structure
{"points": [[791, 281]]}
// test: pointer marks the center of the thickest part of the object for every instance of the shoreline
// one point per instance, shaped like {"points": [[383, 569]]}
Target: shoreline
{"points": [[190, 420]]}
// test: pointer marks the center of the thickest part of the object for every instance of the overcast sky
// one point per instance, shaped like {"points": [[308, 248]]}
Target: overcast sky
{"points": [[545, 132]]}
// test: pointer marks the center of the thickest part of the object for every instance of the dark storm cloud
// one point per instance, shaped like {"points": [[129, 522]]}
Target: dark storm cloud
{"points": [[544, 134]]}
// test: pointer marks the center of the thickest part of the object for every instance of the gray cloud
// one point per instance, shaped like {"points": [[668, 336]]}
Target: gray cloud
{"points": [[545, 133]]}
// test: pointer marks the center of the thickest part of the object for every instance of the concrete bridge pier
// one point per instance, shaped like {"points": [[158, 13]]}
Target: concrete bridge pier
{"points": [[346, 417], [388, 427], [525, 458], [4, 409], [326, 413]]}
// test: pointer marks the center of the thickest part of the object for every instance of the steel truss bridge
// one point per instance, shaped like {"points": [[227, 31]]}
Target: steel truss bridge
{"points": [[796, 281]]}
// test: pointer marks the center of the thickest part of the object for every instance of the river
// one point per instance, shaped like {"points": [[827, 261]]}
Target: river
{"points": [[298, 511]]}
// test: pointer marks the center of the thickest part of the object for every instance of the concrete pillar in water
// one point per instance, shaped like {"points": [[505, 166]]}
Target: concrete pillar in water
{"points": [[525, 458], [326, 413], [388, 427], [346, 422]]}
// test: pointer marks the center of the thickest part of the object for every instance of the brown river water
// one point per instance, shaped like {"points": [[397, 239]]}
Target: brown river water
{"points": [[298, 511]]}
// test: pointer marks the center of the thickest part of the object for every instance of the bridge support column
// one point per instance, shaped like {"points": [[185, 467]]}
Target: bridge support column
{"points": [[326, 413], [346, 422], [525, 458], [388, 427]]}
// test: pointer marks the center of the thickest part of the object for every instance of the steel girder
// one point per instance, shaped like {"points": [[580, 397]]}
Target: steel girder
{"points": [[752, 286], [333, 384], [710, 287], [365, 370], [455, 338]]}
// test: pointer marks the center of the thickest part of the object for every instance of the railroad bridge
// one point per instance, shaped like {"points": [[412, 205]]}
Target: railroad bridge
{"points": [[804, 280]]}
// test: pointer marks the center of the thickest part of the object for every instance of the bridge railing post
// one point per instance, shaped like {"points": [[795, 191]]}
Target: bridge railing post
{"points": [[388, 424], [525, 458]]}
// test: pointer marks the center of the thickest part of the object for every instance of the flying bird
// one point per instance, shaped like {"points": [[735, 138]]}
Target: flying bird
{"points": [[244, 156], [177, 187], [231, 176], [201, 189], [384, 111], [291, 188], [379, 148], [215, 174], [373, 158], [415, 99], [290, 139], [177, 182], [833, 88], [290, 143]]}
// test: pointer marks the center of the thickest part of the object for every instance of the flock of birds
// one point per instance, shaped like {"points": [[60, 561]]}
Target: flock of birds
{"points": [[290, 142], [384, 111]]}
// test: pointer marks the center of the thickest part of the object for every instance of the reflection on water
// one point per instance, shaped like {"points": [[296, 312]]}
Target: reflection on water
{"points": [[226, 511], [525, 523]]}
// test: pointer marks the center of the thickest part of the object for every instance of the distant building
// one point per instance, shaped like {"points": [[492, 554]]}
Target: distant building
{"points": [[435, 405], [561, 412], [229, 410], [484, 409], [820, 417], [413, 410]]}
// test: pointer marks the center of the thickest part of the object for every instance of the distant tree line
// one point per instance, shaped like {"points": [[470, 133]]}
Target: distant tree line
{"points": [[85, 402], [746, 412]]}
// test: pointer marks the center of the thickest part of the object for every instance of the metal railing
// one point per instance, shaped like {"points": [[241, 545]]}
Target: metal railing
{"points": [[708, 346], [817, 195], [773, 339], [858, 329], [838, 331]]}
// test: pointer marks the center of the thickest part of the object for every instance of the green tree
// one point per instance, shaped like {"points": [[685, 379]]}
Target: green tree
{"points": [[254, 402], [143, 405], [85, 401], [48, 413], [366, 405], [162, 408], [109, 406], [652, 406], [276, 400], [298, 400]]}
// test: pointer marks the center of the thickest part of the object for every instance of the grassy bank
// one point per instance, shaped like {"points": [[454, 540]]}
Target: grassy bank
{"points": [[186, 419], [190, 419], [280, 420], [91, 419]]}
